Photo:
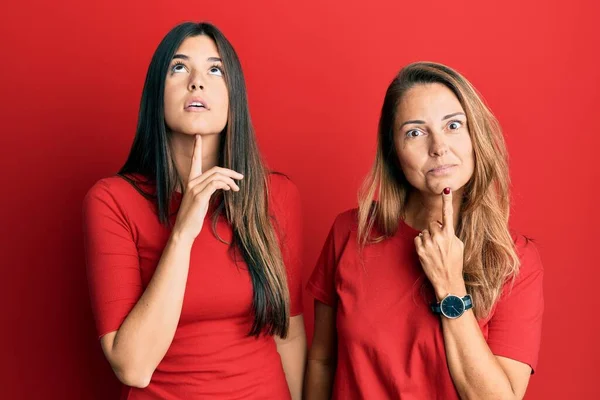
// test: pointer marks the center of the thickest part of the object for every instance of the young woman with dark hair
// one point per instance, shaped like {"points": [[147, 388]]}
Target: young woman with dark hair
{"points": [[186, 310]]}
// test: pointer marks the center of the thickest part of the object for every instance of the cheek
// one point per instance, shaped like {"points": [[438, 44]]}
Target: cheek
{"points": [[170, 102], [168, 105], [223, 102], [410, 157], [411, 168], [466, 152]]}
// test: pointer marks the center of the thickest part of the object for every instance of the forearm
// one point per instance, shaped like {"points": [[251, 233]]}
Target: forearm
{"points": [[318, 384], [293, 360], [475, 370], [146, 334]]}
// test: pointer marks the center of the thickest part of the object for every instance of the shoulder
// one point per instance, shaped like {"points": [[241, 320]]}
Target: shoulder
{"points": [[281, 186], [345, 225], [529, 256], [530, 273], [115, 191], [105, 188], [523, 293], [283, 195], [114, 186], [346, 221], [284, 204]]}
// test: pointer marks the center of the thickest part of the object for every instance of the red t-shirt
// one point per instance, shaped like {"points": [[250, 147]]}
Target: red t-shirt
{"points": [[390, 344], [211, 356]]}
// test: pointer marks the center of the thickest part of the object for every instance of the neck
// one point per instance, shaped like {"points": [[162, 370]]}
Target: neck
{"points": [[424, 208], [182, 149]]}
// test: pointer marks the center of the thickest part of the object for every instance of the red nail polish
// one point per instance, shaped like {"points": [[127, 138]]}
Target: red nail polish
{"points": [[447, 191]]}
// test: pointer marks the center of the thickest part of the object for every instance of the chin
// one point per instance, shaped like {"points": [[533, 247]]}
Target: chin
{"points": [[205, 133], [202, 130], [439, 186]]}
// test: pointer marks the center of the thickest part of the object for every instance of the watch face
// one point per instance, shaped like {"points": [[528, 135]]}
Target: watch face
{"points": [[452, 306]]}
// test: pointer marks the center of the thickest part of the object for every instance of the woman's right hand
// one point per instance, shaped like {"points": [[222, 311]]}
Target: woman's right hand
{"points": [[198, 191]]}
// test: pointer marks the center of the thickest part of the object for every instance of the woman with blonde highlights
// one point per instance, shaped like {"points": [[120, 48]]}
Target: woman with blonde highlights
{"points": [[423, 291]]}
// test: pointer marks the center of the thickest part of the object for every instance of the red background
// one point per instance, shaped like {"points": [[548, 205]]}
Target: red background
{"points": [[71, 78]]}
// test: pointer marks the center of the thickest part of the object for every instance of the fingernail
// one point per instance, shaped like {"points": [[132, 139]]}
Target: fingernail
{"points": [[447, 191]]}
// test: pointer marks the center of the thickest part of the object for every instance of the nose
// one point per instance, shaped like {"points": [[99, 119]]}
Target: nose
{"points": [[195, 83], [438, 146]]}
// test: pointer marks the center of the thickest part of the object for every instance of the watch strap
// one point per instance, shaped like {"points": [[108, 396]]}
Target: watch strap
{"points": [[436, 308], [468, 302]]}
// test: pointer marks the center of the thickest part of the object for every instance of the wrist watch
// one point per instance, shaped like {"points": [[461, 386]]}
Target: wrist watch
{"points": [[452, 306]]}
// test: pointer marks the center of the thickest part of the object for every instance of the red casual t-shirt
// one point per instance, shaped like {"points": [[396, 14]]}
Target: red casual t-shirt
{"points": [[390, 344], [211, 356]]}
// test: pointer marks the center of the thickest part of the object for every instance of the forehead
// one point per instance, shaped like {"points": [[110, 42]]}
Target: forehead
{"points": [[425, 101], [198, 46]]}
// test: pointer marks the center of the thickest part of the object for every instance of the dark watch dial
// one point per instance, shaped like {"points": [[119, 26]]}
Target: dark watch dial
{"points": [[452, 306]]}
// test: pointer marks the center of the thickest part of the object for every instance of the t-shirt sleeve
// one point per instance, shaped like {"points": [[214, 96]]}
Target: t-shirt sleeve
{"points": [[516, 325], [112, 260], [321, 283], [288, 215]]}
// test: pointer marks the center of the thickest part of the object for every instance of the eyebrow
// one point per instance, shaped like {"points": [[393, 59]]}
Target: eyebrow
{"points": [[184, 57], [418, 121], [412, 121], [453, 115]]}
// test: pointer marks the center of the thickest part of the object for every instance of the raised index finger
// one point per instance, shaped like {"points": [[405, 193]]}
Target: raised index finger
{"points": [[447, 210], [196, 167]]}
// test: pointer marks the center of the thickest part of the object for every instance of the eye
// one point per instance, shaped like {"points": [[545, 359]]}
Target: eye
{"points": [[454, 125], [414, 133], [178, 67], [216, 70]]}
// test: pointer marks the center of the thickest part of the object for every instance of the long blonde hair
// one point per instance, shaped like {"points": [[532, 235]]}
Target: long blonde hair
{"points": [[490, 258]]}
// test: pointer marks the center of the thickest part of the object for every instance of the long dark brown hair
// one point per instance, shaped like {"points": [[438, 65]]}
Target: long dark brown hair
{"points": [[246, 211], [490, 257]]}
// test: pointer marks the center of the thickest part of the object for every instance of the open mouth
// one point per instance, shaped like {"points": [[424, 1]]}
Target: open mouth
{"points": [[196, 105]]}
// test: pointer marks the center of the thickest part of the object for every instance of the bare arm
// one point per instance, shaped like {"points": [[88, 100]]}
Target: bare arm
{"points": [[141, 342], [322, 357], [477, 373], [137, 347], [292, 351]]}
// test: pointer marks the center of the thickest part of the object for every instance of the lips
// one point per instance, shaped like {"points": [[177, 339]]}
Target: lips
{"points": [[196, 104], [442, 169]]}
